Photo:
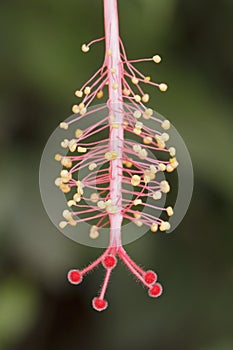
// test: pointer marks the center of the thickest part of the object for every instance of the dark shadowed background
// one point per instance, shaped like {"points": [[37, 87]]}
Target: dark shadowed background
{"points": [[41, 66]]}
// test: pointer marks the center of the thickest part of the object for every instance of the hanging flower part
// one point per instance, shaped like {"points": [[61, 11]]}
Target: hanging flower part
{"points": [[116, 161]]}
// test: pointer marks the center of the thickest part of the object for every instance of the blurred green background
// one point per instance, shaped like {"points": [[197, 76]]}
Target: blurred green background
{"points": [[41, 66]]}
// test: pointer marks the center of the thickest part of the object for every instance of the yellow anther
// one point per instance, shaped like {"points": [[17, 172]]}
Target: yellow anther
{"points": [[77, 197], [79, 184], [164, 186], [129, 164], [145, 98], [125, 124], [147, 140], [65, 188], [164, 226], [115, 126], [137, 215], [111, 209], [63, 224], [174, 164], [87, 90], [92, 166], [161, 167], [137, 114], [100, 94], [157, 59], [148, 113], [163, 87], [58, 157], [72, 222], [85, 48], [65, 180], [114, 155], [172, 151], [72, 142], [66, 162], [75, 109], [137, 98], [78, 133], [153, 169], [126, 92], [159, 141], [93, 234], [58, 181], [67, 214], [94, 197], [101, 204], [139, 125], [169, 168], [108, 202], [146, 178], [65, 143], [82, 149], [72, 145], [135, 80], [83, 111], [80, 187], [150, 173], [169, 211], [113, 70], [143, 153], [147, 79], [166, 124], [137, 202], [81, 105], [64, 173], [108, 156], [137, 148], [137, 131], [138, 223], [115, 86], [71, 203], [111, 155], [165, 137], [157, 195], [135, 180], [78, 93], [173, 160], [109, 52], [154, 227], [64, 125]]}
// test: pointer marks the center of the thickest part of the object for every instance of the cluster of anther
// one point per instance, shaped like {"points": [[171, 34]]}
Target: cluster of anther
{"points": [[139, 169]]}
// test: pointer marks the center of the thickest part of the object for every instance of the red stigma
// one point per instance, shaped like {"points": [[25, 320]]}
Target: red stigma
{"points": [[74, 277], [156, 290], [150, 277], [109, 261], [99, 304]]}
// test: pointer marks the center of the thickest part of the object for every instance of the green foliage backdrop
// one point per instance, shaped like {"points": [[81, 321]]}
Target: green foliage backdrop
{"points": [[41, 66]]}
